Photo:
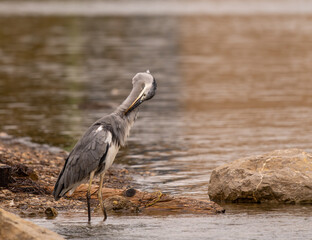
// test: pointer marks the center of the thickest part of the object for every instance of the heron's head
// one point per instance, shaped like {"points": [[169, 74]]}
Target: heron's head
{"points": [[144, 84]]}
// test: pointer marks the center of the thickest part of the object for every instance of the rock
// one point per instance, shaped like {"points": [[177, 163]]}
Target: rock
{"points": [[13, 227], [130, 192], [51, 212], [22, 170], [5, 173], [283, 176], [120, 204]]}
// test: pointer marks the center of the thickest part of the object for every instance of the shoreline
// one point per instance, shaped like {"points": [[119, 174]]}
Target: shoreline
{"points": [[34, 170]]}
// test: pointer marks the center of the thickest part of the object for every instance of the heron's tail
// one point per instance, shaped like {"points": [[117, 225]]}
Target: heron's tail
{"points": [[58, 188], [59, 185]]}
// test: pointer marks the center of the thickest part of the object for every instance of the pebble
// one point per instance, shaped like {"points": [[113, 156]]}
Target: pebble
{"points": [[11, 204], [51, 212], [130, 192]]}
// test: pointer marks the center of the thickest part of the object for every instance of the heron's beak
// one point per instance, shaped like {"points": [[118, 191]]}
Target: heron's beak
{"points": [[136, 102]]}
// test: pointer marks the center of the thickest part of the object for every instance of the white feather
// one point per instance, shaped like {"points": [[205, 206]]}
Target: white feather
{"points": [[111, 154], [99, 129]]}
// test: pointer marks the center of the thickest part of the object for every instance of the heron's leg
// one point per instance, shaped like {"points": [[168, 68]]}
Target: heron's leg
{"points": [[89, 195], [100, 197]]}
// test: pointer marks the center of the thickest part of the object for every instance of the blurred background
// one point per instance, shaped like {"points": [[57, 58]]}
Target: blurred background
{"points": [[234, 79]]}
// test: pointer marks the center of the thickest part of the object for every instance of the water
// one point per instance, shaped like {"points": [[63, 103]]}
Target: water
{"points": [[229, 86], [254, 222]]}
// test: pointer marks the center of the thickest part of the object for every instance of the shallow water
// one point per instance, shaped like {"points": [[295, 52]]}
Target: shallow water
{"points": [[242, 222], [228, 87]]}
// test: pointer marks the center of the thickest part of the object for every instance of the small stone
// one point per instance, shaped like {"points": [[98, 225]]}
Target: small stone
{"points": [[11, 204], [130, 192], [51, 212], [33, 176], [119, 203]]}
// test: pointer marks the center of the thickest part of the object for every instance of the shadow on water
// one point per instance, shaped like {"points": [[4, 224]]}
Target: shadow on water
{"points": [[228, 87]]}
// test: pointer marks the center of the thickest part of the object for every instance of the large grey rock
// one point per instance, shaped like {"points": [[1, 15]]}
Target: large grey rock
{"points": [[13, 227], [280, 176]]}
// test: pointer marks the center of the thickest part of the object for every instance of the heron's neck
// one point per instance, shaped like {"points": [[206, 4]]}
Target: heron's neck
{"points": [[122, 109], [130, 117], [127, 119]]}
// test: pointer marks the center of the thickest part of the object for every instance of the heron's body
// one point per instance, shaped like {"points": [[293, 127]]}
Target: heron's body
{"points": [[95, 152]]}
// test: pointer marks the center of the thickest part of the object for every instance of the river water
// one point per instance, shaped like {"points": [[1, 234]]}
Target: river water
{"points": [[229, 86], [241, 222]]}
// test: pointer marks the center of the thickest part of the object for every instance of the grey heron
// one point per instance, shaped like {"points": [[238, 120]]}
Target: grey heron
{"points": [[95, 152]]}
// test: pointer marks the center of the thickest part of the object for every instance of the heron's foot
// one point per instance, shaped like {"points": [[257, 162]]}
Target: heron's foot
{"points": [[105, 214], [102, 207], [89, 208]]}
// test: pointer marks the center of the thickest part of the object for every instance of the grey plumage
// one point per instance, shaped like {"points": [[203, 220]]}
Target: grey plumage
{"points": [[95, 151]]}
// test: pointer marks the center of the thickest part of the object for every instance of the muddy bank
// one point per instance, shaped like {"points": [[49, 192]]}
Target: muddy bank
{"points": [[33, 172]]}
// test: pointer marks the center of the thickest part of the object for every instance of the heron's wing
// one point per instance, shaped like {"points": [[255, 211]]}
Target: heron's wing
{"points": [[88, 155]]}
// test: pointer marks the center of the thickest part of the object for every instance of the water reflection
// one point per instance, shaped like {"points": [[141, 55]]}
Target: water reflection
{"points": [[229, 86]]}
